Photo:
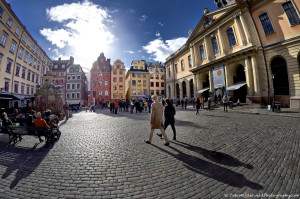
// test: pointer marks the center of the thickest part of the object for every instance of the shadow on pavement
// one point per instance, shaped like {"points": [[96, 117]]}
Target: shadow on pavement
{"points": [[24, 160], [214, 156], [212, 170], [187, 123]]}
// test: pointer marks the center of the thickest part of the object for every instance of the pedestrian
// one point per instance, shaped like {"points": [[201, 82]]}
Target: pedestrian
{"points": [[202, 102], [215, 99], [194, 102], [209, 103], [182, 103], [137, 106], [126, 105], [66, 111], [185, 102], [145, 104], [225, 101], [198, 104], [169, 118], [132, 106], [112, 106], [149, 104], [116, 107], [156, 120], [163, 102]]}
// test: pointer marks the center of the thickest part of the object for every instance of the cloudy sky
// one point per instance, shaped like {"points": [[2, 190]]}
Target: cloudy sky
{"points": [[122, 29]]}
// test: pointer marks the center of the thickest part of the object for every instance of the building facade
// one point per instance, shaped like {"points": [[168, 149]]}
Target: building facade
{"points": [[156, 79], [76, 89], [137, 80], [231, 50], [100, 87], [118, 80], [22, 61], [59, 68]]}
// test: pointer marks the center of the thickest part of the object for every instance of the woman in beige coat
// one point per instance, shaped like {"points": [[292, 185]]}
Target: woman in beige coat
{"points": [[157, 110]]}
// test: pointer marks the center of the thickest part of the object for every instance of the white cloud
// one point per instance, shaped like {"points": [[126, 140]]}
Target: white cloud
{"points": [[131, 11], [161, 24], [160, 49], [157, 34], [82, 31], [143, 18], [129, 51], [114, 11]]}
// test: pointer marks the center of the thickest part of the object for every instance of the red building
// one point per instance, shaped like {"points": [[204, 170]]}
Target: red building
{"points": [[100, 80]]}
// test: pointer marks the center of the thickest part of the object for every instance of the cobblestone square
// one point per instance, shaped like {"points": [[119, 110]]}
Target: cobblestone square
{"points": [[102, 155]]}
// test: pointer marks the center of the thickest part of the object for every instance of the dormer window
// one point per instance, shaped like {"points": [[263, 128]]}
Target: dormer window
{"points": [[221, 3]]}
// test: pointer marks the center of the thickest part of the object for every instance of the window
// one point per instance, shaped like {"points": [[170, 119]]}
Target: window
{"points": [[18, 31], [0, 59], [144, 74], [106, 93], [34, 63], [100, 83], [23, 72], [9, 21], [114, 87], [121, 72], [22, 88], [100, 93], [40, 55], [106, 83], [144, 83], [77, 95], [20, 55], [115, 72], [6, 84], [94, 83], [94, 74], [176, 68], [32, 90], [190, 62], [78, 86], [37, 79], [68, 96], [3, 38], [78, 77], [73, 95], [29, 43], [98, 67], [101, 60], [162, 92], [156, 76], [24, 39], [1, 11], [27, 89], [139, 82], [16, 90], [121, 87], [69, 77], [133, 82], [13, 46], [63, 66], [120, 79], [139, 91], [94, 93], [30, 60], [103, 67], [157, 92], [37, 52], [215, 45], [152, 92], [151, 77], [33, 47], [73, 86], [266, 23], [169, 69], [182, 65], [61, 81], [157, 84], [152, 84], [18, 70], [162, 77], [8, 66], [106, 74], [114, 95], [145, 91], [162, 84], [68, 86], [100, 74], [73, 77], [139, 74], [133, 74], [26, 56], [133, 91], [202, 52], [38, 65], [32, 76], [114, 79], [291, 13]]}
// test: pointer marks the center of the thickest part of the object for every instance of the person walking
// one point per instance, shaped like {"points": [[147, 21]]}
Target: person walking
{"points": [[149, 104], [116, 107], [169, 118], [198, 104], [66, 111], [145, 105], [209, 103], [137, 106], [185, 102], [131, 106], [156, 120], [194, 102], [225, 101]]}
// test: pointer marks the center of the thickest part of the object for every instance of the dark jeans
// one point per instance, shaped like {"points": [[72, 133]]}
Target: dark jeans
{"points": [[172, 123], [225, 106], [116, 110]]}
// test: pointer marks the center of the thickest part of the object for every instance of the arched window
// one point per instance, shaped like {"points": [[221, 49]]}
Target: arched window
{"points": [[280, 76]]}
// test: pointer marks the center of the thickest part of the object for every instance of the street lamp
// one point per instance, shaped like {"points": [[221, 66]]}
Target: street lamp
{"points": [[273, 102]]}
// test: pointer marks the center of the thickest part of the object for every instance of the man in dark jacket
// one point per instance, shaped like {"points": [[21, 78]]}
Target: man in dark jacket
{"points": [[169, 117]]}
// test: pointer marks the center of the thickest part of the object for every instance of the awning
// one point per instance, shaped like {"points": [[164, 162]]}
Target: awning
{"points": [[236, 86], [8, 96], [202, 91]]}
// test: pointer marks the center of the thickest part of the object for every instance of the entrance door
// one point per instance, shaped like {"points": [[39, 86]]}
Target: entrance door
{"points": [[281, 79], [241, 93]]}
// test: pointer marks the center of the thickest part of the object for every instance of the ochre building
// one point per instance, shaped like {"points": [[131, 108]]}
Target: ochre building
{"points": [[118, 80]]}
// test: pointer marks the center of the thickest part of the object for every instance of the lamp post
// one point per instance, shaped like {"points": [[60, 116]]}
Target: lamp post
{"points": [[273, 102]]}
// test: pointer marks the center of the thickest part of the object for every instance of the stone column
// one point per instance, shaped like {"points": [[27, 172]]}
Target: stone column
{"points": [[180, 90], [249, 78], [223, 51], [195, 83], [255, 76], [192, 56], [207, 48], [239, 31], [245, 28], [211, 81], [188, 89], [227, 75]]}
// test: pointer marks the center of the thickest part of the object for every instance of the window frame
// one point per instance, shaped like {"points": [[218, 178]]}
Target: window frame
{"points": [[215, 45], [296, 12], [202, 52], [259, 18]]}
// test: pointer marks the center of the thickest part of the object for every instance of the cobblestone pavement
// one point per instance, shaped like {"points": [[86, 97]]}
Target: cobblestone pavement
{"points": [[101, 155]]}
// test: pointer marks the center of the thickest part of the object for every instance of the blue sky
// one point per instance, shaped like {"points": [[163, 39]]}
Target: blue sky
{"points": [[122, 29]]}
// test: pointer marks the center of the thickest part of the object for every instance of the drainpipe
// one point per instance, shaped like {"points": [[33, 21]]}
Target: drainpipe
{"points": [[263, 51]]}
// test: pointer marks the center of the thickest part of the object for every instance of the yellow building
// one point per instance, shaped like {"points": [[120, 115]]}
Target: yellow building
{"points": [[157, 79], [137, 80], [22, 61], [118, 80]]}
